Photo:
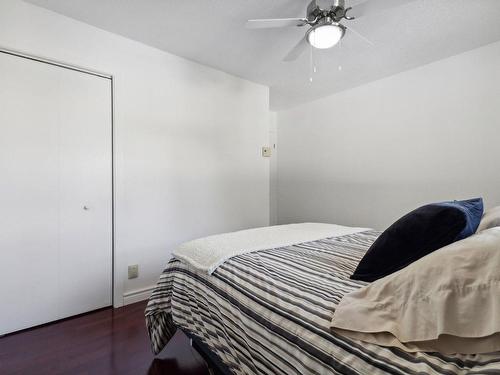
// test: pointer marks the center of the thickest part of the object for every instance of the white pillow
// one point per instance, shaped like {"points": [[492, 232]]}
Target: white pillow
{"points": [[447, 301], [490, 219]]}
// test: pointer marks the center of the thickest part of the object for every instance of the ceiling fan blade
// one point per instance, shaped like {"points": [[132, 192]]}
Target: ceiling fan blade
{"points": [[278, 22], [370, 7], [358, 34], [296, 51]]}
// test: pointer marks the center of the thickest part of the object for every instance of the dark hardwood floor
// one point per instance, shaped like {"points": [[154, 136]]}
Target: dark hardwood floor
{"points": [[109, 341]]}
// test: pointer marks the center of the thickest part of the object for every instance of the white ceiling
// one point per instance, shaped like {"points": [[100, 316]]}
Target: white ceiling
{"points": [[213, 33]]}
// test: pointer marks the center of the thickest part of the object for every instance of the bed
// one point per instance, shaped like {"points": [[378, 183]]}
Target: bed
{"points": [[269, 312]]}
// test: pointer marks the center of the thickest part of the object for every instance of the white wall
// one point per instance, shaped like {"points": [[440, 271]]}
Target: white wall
{"points": [[187, 138], [368, 155]]}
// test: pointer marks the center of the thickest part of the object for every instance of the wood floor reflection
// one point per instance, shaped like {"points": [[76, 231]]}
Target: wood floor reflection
{"points": [[109, 341]]}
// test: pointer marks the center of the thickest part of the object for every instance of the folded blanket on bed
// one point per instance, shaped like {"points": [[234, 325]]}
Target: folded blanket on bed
{"points": [[208, 253]]}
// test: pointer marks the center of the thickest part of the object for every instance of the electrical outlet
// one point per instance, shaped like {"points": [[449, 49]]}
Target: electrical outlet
{"points": [[133, 271], [266, 152]]}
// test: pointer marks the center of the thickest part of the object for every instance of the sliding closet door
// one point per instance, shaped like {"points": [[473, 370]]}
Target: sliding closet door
{"points": [[55, 192]]}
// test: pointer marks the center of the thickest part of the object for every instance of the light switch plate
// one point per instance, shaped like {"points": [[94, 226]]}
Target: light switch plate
{"points": [[266, 152], [133, 271]]}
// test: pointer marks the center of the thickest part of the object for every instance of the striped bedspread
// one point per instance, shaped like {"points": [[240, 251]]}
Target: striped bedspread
{"points": [[269, 312]]}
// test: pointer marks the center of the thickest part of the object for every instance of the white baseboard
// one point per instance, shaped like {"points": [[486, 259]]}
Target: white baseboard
{"points": [[137, 295]]}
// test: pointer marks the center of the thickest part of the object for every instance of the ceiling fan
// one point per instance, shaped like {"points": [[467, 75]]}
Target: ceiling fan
{"points": [[324, 21]]}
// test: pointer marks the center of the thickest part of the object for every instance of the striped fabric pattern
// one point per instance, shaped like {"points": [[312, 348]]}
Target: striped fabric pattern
{"points": [[269, 312]]}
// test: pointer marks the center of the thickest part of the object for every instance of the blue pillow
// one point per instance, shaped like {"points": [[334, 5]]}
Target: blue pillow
{"points": [[473, 210], [417, 234]]}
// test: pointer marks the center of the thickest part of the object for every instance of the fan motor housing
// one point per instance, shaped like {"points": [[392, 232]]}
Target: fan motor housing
{"points": [[319, 9]]}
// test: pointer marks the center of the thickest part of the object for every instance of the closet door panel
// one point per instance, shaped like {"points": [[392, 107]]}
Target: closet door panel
{"points": [[85, 202], [55, 158], [29, 214]]}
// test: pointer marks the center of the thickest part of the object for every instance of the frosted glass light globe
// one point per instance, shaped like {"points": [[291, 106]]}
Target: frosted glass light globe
{"points": [[325, 36]]}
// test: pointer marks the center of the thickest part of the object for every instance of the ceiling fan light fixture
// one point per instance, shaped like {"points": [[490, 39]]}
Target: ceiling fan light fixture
{"points": [[326, 35]]}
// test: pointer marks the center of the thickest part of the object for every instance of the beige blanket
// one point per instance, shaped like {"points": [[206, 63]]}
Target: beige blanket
{"points": [[448, 301]]}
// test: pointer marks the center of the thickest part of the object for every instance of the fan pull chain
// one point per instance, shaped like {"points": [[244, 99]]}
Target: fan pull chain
{"points": [[313, 69], [340, 56], [310, 64]]}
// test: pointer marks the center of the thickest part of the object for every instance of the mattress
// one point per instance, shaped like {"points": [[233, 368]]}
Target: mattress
{"points": [[269, 312]]}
